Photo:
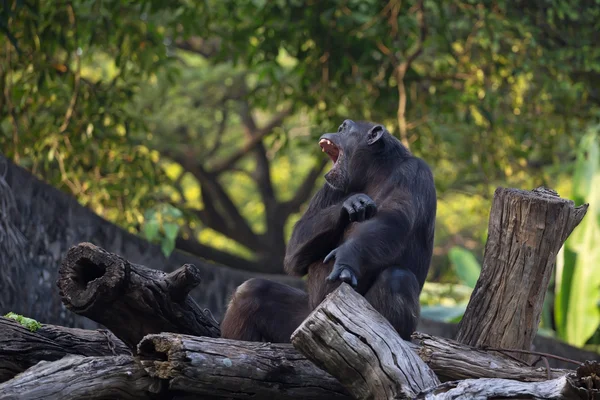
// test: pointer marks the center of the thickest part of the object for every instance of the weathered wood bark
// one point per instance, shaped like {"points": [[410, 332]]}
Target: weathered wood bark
{"points": [[540, 343], [195, 364], [526, 231], [581, 384], [78, 378], [451, 360], [556, 389], [235, 369], [131, 300], [21, 348], [349, 339], [42, 223]]}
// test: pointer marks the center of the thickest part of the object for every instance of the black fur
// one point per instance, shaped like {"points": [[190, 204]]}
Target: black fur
{"points": [[371, 225]]}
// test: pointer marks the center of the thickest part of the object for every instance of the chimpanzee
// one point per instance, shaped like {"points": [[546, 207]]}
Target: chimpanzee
{"points": [[370, 225]]}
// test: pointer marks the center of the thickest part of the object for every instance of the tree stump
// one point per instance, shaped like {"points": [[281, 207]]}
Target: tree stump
{"points": [[131, 300], [526, 231]]}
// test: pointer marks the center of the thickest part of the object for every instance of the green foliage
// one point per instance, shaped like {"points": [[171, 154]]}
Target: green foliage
{"points": [[576, 311], [161, 224], [465, 265], [102, 100], [28, 323]]}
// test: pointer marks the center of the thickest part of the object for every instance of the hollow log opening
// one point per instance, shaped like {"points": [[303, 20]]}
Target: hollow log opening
{"points": [[85, 271], [147, 349]]}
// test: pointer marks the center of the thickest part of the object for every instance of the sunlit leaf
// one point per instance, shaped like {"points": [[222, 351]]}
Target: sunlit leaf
{"points": [[465, 264]]}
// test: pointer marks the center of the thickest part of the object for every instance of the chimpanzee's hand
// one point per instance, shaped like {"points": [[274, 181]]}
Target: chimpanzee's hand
{"points": [[359, 207], [343, 269]]}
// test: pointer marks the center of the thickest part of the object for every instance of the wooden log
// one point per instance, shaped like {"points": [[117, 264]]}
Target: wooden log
{"points": [[79, 377], [451, 360], [131, 300], [526, 231], [195, 365], [235, 369], [348, 338], [581, 384], [21, 348]]}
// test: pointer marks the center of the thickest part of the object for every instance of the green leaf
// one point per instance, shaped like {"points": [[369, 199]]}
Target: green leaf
{"points": [[443, 313], [28, 323], [167, 246], [465, 264], [583, 314], [171, 230], [150, 229]]}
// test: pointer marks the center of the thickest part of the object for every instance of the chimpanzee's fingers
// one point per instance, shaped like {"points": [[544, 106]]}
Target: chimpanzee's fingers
{"points": [[360, 214], [330, 256], [334, 275], [371, 210], [347, 276]]}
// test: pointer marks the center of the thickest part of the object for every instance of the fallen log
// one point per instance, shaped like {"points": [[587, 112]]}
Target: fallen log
{"points": [[131, 300], [194, 365], [526, 231], [235, 369], [20, 348], [451, 360], [348, 338], [79, 377]]}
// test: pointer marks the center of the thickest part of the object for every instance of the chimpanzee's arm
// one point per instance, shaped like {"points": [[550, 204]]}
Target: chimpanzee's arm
{"points": [[317, 232], [381, 241]]}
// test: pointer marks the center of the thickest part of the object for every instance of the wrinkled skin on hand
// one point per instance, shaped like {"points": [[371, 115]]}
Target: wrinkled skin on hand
{"points": [[359, 207], [346, 266]]}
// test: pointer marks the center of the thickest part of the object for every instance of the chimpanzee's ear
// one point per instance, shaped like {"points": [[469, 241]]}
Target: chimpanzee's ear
{"points": [[375, 134]]}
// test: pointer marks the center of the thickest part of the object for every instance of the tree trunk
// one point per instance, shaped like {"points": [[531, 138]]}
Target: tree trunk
{"points": [[132, 300], [42, 223], [348, 338], [78, 378], [526, 231], [21, 348], [236, 369]]}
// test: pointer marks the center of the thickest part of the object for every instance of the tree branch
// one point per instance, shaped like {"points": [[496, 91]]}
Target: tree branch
{"points": [[401, 73], [305, 190], [205, 47], [220, 213], [259, 134], [218, 256]]}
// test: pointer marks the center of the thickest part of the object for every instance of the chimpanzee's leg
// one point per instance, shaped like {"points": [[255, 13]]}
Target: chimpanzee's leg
{"points": [[263, 310], [395, 295]]}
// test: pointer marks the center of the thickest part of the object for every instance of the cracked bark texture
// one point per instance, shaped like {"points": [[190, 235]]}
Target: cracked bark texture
{"points": [[79, 377], [233, 369], [348, 338], [526, 231], [129, 299], [21, 348]]}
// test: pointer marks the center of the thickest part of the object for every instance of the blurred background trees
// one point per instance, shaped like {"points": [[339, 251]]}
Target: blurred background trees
{"points": [[194, 124]]}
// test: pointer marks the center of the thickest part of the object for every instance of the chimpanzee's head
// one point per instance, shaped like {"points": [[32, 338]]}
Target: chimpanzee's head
{"points": [[352, 149]]}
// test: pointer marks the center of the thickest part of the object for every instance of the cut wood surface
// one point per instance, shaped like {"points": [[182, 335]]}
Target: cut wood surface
{"points": [[21, 348], [348, 338], [235, 369], [79, 377], [131, 300], [526, 231]]}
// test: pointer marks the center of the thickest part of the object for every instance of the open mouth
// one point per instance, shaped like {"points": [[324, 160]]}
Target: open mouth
{"points": [[331, 149]]}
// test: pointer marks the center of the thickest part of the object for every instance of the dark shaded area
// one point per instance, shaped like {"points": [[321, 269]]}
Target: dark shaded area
{"points": [[45, 222]]}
